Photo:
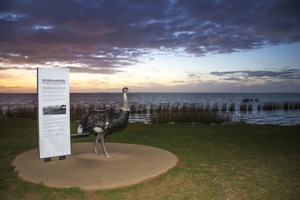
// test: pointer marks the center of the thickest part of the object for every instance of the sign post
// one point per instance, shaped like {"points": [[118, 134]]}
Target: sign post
{"points": [[53, 113]]}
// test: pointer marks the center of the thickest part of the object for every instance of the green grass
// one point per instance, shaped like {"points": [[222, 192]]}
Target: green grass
{"points": [[215, 162]]}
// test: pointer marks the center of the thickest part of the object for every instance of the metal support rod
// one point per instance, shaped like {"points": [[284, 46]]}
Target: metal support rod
{"points": [[76, 135]]}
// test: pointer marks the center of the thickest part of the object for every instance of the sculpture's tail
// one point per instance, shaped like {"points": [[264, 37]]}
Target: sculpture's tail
{"points": [[79, 133], [80, 129]]}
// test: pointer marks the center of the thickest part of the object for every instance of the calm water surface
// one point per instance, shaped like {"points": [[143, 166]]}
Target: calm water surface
{"points": [[255, 116]]}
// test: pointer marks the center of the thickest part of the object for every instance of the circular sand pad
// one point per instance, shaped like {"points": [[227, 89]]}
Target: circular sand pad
{"points": [[130, 164]]}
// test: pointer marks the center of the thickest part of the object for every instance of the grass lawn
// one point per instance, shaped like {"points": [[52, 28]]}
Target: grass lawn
{"points": [[215, 162]]}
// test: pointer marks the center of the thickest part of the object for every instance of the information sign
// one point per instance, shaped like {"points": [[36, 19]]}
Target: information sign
{"points": [[53, 112]]}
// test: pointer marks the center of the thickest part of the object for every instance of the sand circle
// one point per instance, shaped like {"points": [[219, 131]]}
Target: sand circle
{"points": [[130, 164]]}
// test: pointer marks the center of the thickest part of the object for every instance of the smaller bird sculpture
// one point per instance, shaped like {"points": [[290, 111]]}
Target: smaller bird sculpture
{"points": [[104, 122]]}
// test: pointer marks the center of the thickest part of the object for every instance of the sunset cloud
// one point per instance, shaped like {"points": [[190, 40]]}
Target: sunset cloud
{"points": [[115, 34], [283, 74]]}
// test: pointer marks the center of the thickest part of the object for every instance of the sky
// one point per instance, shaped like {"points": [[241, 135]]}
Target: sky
{"points": [[152, 45]]}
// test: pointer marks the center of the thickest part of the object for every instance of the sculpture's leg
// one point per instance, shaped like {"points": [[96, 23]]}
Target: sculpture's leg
{"points": [[103, 147], [96, 144]]}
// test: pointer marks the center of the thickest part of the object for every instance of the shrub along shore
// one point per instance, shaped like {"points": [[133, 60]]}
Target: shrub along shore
{"points": [[186, 113]]}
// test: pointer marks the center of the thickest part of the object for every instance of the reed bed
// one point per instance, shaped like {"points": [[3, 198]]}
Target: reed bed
{"points": [[288, 105], [164, 113], [206, 114], [27, 113]]}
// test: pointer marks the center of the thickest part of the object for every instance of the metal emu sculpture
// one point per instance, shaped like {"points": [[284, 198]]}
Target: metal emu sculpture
{"points": [[104, 122]]}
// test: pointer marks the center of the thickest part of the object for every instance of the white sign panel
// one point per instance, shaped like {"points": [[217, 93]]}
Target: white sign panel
{"points": [[53, 112]]}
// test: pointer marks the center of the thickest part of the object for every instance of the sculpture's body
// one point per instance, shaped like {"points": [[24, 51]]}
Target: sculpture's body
{"points": [[104, 122]]}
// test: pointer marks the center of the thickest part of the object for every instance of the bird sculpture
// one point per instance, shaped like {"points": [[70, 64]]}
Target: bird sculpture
{"points": [[104, 122]]}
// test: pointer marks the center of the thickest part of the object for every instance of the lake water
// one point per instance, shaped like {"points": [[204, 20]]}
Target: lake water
{"points": [[255, 116]]}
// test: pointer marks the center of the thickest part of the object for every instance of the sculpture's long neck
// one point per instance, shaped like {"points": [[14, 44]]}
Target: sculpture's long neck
{"points": [[125, 102]]}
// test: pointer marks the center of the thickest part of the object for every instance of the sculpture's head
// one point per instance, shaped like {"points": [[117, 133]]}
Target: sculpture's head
{"points": [[125, 89], [125, 103]]}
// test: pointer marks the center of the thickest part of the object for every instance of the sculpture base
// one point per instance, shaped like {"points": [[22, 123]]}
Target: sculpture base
{"points": [[130, 164]]}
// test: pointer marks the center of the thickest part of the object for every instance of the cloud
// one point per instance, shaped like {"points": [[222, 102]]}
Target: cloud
{"points": [[236, 75], [15, 89], [106, 36], [179, 82]]}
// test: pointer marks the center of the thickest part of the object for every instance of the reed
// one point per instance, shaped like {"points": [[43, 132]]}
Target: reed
{"points": [[139, 109], [224, 107], [232, 107], [76, 112], [246, 100], [243, 107], [246, 107]]}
